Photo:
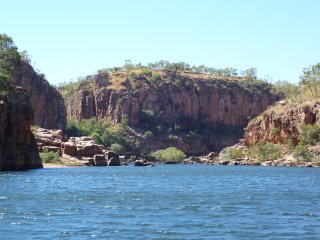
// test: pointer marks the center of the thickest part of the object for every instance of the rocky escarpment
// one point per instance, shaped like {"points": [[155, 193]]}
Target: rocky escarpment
{"points": [[280, 123], [18, 148], [47, 102], [217, 101], [182, 102]]}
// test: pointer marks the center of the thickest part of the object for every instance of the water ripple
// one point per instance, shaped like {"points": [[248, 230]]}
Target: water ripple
{"points": [[165, 202]]}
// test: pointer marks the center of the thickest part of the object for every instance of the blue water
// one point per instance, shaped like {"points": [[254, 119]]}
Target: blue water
{"points": [[162, 202]]}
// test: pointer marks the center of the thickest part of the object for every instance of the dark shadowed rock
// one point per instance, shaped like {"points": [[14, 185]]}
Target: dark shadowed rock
{"points": [[100, 160], [18, 148], [114, 162]]}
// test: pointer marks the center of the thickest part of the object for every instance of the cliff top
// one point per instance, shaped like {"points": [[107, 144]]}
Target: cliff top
{"points": [[136, 78]]}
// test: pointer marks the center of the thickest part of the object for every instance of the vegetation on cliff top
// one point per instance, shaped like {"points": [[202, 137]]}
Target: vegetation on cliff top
{"points": [[307, 89], [9, 58], [181, 74]]}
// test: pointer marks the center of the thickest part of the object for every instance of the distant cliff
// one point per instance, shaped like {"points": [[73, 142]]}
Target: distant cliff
{"points": [[184, 101], [218, 101], [18, 148], [47, 102]]}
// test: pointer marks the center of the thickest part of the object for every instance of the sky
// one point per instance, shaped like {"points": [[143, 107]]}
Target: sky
{"points": [[67, 39]]}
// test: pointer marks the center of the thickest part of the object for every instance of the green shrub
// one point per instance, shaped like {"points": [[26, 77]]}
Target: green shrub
{"points": [[148, 134], [49, 156], [117, 148], [156, 78], [146, 72], [148, 118], [289, 145], [173, 137], [177, 127], [309, 134], [301, 152], [9, 59], [232, 153], [159, 129], [265, 151], [168, 154], [102, 131], [124, 121], [275, 132]]}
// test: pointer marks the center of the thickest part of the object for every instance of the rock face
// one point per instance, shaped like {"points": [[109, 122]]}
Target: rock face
{"points": [[281, 126], [47, 102], [81, 150], [185, 101], [18, 148], [219, 102], [82, 147], [50, 139]]}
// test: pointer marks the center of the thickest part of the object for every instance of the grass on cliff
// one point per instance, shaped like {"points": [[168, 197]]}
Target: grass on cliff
{"points": [[180, 74]]}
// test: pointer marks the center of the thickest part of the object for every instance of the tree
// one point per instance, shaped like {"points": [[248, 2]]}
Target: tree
{"points": [[250, 73], [310, 78], [9, 58], [288, 89]]}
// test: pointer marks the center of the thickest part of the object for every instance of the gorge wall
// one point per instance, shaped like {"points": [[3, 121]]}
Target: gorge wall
{"points": [[18, 148], [221, 107], [47, 102], [225, 103]]}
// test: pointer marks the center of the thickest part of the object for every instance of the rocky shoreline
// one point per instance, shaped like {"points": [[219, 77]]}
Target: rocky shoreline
{"points": [[84, 151]]}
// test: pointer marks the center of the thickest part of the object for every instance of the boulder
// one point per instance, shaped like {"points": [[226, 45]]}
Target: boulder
{"points": [[114, 162], [142, 163], [100, 160], [110, 154], [49, 137], [51, 148], [196, 159], [212, 155], [171, 162], [88, 161], [69, 148]]}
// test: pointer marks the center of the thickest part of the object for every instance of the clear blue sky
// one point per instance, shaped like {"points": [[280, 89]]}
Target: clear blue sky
{"points": [[71, 38]]}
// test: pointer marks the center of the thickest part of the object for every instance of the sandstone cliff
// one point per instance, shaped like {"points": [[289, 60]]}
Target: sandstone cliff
{"points": [[280, 123], [18, 148], [218, 101], [183, 101], [47, 102]]}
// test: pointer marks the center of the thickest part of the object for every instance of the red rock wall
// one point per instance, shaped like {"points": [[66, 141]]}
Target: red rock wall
{"points": [[221, 106], [47, 102], [282, 126]]}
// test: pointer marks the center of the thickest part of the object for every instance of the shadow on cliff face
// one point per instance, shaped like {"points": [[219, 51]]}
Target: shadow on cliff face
{"points": [[18, 148]]}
